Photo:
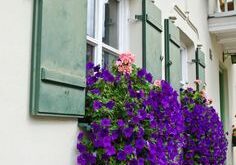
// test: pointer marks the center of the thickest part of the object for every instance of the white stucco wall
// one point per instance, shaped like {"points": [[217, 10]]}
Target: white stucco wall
{"points": [[51, 141], [25, 140]]}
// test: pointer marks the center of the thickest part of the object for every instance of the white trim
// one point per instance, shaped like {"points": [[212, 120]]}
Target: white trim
{"points": [[99, 29], [110, 49], [123, 25], [92, 41], [184, 63]]}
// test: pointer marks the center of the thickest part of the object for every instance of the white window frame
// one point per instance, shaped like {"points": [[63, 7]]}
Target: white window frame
{"points": [[123, 33], [184, 64]]}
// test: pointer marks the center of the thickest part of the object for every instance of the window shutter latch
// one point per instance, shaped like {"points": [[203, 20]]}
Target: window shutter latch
{"points": [[161, 58]]}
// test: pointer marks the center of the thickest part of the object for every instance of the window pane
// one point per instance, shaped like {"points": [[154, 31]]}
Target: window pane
{"points": [[90, 17], [108, 59], [110, 15], [90, 53]]}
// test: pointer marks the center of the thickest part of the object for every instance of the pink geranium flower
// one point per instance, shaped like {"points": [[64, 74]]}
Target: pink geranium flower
{"points": [[157, 83], [198, 81], [203, 93], [124, 63], [127, 58]]}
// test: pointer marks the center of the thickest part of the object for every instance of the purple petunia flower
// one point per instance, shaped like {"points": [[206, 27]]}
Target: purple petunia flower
{"points": [[105, 122], [114, 135], [95, 91], [110, 150], [107, 76], [128, 149], [110, 104], [97, 105], [139, 144], [128, 132], [140, 132], [153, 124], [121, 155], [141, 73], [91, 80], [135, 120], [80, 136], [148, 77], [106, 141], [121, 123], [89, 65], [81, 148], [141, 161], [139, 94], [81, 160], [142, 114], [132, 92], [96, 68]]}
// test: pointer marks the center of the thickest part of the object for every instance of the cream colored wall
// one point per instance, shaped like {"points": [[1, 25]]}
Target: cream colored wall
{"points": [[46, 141], [25, 140]]}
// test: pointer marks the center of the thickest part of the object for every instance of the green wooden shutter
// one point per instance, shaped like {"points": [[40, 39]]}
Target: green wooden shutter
{"points": [[172, 54], [200, 66], [152, 41], [59, 58]]}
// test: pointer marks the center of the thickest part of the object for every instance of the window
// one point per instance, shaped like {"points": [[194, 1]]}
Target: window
{"points": [[104, 30], [184, 62]]}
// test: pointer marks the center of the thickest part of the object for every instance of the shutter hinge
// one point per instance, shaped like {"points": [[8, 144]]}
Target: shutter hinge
{"points": [[140, 17], [170, 63], [195, 61]]}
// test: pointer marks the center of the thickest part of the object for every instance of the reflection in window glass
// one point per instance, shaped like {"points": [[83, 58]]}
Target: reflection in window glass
{"points": [[89, 55], [108, 59], [90, 17], [110, 15]]}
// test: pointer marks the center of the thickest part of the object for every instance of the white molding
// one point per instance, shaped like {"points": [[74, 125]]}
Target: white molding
{"points": [[223, 14], [180, 12], [227, 40], [222, 27], [185, 17]]}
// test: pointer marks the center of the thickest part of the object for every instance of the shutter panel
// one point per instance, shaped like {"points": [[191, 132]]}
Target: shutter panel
{"points": [[200, 67], [172, 55], [59, 58], [152, 41]]}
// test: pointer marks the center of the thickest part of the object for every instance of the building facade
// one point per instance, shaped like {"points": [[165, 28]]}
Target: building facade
{"points": [[176, 40]]}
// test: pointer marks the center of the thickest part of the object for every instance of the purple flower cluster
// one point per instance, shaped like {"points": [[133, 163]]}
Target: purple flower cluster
{"points": [[205, 139], [140, 124], [136, 121]]}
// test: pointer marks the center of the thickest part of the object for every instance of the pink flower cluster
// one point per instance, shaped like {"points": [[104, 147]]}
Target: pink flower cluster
{"points": [[157, 83], [124, 63]]}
